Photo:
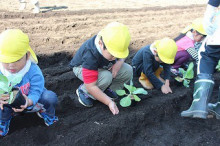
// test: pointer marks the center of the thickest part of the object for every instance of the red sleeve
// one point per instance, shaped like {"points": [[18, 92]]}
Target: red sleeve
{"points": [[89, 76]]}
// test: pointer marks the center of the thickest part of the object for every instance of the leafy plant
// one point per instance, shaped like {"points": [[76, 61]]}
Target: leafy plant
{"points": [[218, 66], [187, 75], [6, 85], [133, 91]]}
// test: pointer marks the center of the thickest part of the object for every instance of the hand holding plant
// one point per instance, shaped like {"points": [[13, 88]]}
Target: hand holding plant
{"points": [[7, 92], [3, 100], [187, 75], [133, 91]]}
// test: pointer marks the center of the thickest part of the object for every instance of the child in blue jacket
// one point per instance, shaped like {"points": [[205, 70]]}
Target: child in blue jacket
{"points": [[18, 59]]}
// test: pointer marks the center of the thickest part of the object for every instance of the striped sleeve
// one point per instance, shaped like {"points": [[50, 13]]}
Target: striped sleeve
{"points": [[193, 53]]}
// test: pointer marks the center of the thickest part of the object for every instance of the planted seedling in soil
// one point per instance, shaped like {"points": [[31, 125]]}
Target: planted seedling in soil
{"points": [[131, 97], [186, 75], [7, 84]]}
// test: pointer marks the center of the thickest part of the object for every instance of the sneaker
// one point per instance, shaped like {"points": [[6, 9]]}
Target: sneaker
{"points": [[111, 94], [83, 98], [4, 127], [47, 119]]}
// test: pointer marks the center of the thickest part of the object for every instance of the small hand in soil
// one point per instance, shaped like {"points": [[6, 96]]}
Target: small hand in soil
{"points": [[114, 109]]}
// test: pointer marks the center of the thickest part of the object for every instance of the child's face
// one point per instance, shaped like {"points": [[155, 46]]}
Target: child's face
{"points": [[15, 67], [106, 53], [157, 58], [197, 37]]}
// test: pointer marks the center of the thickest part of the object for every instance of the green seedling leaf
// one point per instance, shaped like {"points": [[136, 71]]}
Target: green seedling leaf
{"points": [[121, 92], [136, 98], [179, 79], [218, 66], [1, 92], [186, 83], [14, 80], [182, 71], [125, 102], [10, 98], [189, 72], [3, 84], [130, 88], [140, 91]]}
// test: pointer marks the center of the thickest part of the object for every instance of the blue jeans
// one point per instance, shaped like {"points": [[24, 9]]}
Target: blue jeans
{"points": [[48, 99], [209, 60]]}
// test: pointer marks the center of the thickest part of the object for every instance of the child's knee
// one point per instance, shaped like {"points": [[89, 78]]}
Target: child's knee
{"points": [[49, 97], [107, 78]]}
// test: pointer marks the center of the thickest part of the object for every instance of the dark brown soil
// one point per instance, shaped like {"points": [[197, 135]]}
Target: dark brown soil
{"points": [[153, 121]]}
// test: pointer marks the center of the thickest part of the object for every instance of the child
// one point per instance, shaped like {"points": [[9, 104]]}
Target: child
{"points": [[147, 61], [34, 2], [188, 45], [99, 63], [210, 56], [18, 59]]}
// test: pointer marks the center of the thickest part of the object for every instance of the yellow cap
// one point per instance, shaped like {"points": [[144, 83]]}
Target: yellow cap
{"points": [[117, 38], [198, 26], [14, 44], [166, 49]]}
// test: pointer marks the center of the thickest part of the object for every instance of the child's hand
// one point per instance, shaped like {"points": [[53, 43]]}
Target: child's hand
{"points": [[3, 100], [116, 67], [113, 108], [23, 106], [166, 89]]}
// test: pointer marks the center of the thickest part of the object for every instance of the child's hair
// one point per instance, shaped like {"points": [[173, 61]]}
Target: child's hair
{"points": [[104, 47]]}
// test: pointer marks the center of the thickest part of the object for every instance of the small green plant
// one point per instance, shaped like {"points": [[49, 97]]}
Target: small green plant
{"points": [[133, 91], [6, 85], [187, 75], [218, 66]]}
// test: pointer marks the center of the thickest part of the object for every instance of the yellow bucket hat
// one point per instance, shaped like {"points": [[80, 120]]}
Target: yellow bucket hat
{"points": [[14, 44]]}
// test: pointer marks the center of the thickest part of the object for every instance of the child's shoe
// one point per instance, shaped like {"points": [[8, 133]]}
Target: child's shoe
{"points": [[145, 81], [47, 119], [111, 94], [83, 98], [4, 127]]}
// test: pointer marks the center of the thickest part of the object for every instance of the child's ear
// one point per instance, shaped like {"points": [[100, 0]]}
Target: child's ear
{"points": [[100, 44], [28, 55]]}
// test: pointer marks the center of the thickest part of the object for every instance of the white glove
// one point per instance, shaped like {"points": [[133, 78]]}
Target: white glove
{"points": [[208, 19]]}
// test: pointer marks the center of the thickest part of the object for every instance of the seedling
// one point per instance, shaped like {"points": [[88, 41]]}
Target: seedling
{"points": [[132, 96], [187, 75], [6, 85], [218, 66]]}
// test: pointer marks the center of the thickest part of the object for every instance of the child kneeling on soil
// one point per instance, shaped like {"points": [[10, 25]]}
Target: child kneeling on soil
{"points": [[147, 61], [99, 63], [19, 60], [188, 45]]}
